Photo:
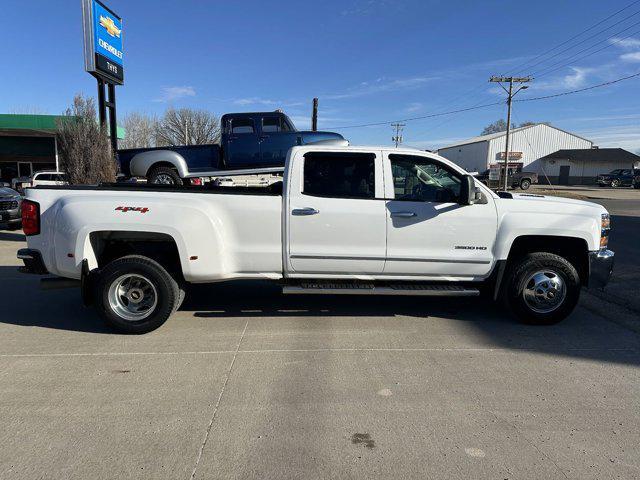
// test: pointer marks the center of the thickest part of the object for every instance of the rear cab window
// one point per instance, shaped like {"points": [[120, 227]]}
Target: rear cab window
{"points": [[242, 126], [340, 175]]}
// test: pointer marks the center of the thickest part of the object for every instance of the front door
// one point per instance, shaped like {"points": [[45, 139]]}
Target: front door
{"points": [[242, 149], [564, 175], [276, 138], [428, 232], [336, 214]]}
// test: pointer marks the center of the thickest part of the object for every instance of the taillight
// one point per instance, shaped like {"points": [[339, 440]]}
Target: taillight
{"points": [[30, 217], [196, 181]]}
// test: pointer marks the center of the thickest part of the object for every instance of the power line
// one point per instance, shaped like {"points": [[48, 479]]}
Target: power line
{"points": [[477, 107], [576, 36], [604, 84], [375, 124], [546, 70]]}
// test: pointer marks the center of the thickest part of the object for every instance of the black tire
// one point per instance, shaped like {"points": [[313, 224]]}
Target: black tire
{"points": [[615, 183], [164, 176], [164, 287], [520, 277], [636, 185], [525, 184]]}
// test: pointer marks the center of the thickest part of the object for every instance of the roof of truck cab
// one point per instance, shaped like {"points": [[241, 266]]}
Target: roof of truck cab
{"points": [[253, 114]]}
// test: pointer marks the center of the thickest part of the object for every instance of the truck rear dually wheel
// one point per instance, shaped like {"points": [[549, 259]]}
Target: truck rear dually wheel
{"points": [[164, 176], [542, 289], [135, 294]]}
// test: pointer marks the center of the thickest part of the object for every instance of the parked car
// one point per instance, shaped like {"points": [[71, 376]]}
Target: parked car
{"points": [[10, 213], [40, 178], [345, 220], [248, 141], [620, 177], [517, 179]]}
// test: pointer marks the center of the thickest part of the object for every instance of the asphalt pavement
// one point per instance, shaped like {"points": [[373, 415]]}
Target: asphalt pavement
{"points": [[246, 383]]}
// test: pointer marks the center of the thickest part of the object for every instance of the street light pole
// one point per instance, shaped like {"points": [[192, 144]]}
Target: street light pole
{"points": [[510, 95]]}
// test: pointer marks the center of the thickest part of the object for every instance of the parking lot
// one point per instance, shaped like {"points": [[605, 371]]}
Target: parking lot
{"points": [[246, 383]]}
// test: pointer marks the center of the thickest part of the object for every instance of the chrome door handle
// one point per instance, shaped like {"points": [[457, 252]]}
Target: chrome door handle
{"points": [[403, 214], [304, 211]]}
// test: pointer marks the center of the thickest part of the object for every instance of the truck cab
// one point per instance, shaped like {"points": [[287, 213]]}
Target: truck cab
{"points": [[248, 141]]}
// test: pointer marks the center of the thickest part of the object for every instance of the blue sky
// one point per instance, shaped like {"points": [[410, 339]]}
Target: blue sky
{"points": [[367, 61]]}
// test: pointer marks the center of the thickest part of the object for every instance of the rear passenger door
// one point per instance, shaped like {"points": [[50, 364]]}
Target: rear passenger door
{"points": [[336, 214]]}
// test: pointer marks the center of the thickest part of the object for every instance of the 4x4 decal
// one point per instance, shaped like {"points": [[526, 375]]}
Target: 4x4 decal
{"points": [[132, 209]]}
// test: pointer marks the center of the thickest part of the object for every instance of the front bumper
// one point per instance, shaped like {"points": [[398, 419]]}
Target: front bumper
{"points": [[600, 268], [33, 262]]}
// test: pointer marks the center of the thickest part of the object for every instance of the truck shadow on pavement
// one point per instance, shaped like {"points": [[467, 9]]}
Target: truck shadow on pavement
{"points": [[9, 236], [24, 304], [412, 322], [468, 322]]}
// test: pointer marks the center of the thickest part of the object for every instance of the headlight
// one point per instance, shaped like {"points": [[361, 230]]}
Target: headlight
{"points": [[605, 228]]}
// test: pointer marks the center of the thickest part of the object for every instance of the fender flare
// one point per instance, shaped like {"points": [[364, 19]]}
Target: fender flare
{"points": [[144, 161]]}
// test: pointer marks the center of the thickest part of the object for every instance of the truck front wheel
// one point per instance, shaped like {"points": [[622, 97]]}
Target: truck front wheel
{"points": [[135, 294], [525, 184], [164, 176], [542, 289]]}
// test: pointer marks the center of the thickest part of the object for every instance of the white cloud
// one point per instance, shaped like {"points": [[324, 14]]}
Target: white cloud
{"points": [[630, 57], [268, 102], [576, 79], [413, 107], [381, 85], [626, 42], [169, 94], [254, 101], [622, 136]]}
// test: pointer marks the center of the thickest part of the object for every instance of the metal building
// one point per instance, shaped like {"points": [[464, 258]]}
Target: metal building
{"points": [[527, 146]]}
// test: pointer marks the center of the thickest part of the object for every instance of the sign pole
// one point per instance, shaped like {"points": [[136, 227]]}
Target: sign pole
{"points": [[113, 125], [102, 107]]}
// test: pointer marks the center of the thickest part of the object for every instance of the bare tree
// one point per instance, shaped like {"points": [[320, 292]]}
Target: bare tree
{"points": [[501, 126], [85, 153], [140, 130], [186, 126], [496, 127]]}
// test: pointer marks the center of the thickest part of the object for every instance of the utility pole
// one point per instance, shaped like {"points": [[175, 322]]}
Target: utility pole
{"points": [[398, 136], [510, 95], [314, 116]]}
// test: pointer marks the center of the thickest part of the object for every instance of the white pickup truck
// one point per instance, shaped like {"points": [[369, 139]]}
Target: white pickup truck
{"points": [[344, 220]]}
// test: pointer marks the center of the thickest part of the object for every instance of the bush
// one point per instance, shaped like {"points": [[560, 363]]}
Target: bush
{"points": [[85, 152]]}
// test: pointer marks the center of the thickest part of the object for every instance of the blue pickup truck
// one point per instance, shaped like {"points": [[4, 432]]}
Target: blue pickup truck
{"points": [[250, 142]]}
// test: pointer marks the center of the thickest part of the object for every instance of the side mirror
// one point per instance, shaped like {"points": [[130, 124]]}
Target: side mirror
{"points": [[468, 191]]}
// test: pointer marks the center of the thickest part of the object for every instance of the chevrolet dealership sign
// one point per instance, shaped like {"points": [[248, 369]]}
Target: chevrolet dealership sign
{"points": [[103, 56]]}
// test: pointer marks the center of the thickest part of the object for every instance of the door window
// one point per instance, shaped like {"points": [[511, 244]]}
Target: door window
{"points": [[274, 125], [419, 179], [242, 125], [339, 175]]}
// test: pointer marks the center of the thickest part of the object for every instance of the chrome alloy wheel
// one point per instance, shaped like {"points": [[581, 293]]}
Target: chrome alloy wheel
{"points": [[132, 297], [164, 179], [544, 291]]}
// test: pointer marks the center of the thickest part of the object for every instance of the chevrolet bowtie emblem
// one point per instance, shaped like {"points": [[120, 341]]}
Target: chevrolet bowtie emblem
{"points": [[110, 26]]}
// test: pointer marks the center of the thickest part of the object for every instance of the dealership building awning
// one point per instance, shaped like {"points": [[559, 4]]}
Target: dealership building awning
{"points": [[28, 144]]}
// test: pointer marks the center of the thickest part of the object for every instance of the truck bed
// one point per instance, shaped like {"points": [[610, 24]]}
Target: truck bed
{"points": [[271, 190]]}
